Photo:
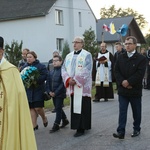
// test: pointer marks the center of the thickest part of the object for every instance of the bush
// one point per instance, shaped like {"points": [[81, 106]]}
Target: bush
{"points": [[66, 50]]}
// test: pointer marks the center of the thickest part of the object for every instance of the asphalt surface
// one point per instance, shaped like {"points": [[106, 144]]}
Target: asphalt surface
{"points": [[104, 124]]}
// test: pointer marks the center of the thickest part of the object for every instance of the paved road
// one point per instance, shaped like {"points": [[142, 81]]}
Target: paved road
{"points": [[104, 123]]}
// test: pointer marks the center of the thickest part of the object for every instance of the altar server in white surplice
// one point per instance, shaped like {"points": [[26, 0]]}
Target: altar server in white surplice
{"points": [[103, 74], [76, 73]]}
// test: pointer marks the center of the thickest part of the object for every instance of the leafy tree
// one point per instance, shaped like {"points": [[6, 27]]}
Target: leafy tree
{"points": [[90, 41], [112, 12], [66, 50], [147, 38], [13, 52]]}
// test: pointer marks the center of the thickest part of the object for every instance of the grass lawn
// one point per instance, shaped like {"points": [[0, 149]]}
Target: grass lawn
{"points": [[49, 103]]}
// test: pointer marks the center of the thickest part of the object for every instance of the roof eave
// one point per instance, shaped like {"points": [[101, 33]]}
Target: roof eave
{"points": [[23, 17]]}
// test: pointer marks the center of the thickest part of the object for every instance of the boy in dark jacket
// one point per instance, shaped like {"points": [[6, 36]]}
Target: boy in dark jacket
{"points": [[55, 88]]}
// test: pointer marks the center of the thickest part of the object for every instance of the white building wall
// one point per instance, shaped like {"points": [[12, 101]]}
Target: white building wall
{"points": [[71, 9], [111, 48], [39, 34], [33, 33]]}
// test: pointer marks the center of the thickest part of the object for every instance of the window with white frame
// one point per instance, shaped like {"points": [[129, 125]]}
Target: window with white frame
{"points": [[59, 17], [80, 20], [60, 42]]}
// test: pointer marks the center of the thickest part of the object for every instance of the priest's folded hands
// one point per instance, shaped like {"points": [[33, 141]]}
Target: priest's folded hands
{"points": [[72, 82]]}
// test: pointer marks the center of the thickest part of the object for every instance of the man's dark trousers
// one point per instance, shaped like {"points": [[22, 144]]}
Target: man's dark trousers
{"points": [[136, 110]]}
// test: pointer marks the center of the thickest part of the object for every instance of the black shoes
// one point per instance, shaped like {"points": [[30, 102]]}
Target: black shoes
{"points": [[79, 132], [147, 87], [46, 123], [121, 135], [105, 100], [118, 135], [96, 100], [64, 123], [53, 111], [36, 128], [135, 133], [54, 128]]}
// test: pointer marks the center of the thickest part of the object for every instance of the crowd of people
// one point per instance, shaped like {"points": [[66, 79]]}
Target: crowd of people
{"points": [[71, 77]]}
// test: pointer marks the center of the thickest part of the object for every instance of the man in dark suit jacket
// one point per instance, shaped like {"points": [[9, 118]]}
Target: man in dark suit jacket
{"points": [[148, 69], [119, 50], [129, 71]]}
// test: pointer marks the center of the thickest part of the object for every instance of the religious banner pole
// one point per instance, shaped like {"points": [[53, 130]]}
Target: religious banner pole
{"points": [[102, 36], [121, 39]]}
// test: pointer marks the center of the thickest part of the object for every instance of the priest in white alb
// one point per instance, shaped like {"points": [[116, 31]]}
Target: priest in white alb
{"points": [[77, 77]]}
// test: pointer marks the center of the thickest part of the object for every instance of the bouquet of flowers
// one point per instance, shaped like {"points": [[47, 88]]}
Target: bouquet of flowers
{"points": [[29, 76]]}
